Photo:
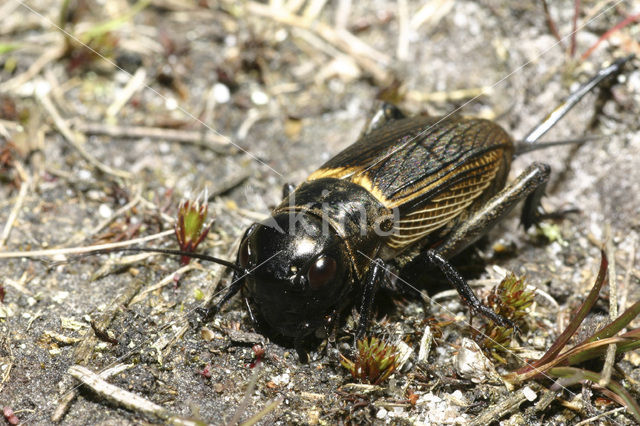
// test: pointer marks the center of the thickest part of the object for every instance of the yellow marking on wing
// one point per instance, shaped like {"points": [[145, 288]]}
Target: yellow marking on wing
{"points": [[335, 172], [444, 207], [441, 209]]}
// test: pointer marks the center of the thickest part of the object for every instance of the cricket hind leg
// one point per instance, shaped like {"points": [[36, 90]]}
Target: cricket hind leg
{"points": [[382, 114], [287, 189], [528, 185]]}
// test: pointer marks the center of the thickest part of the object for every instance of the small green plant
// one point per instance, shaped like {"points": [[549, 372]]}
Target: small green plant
{"points": [[375, 361], [511, 299], [190, 228]]}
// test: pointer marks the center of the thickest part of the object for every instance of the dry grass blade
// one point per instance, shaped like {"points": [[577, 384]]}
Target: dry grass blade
{"points": [[608, 34], [369, 59], [82, 250], [577, 319], [576, 375]]}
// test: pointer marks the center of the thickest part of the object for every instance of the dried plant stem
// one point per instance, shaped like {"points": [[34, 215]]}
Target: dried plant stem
{"points": [[13, 215], [51, 54], [68, 398], [402, 51], [86, 249], [99, 227], [367, 57], [163, 282], [74, 139], [551, 23], [85, 350], [181, 325], [116, 395], [613, 307], [262, 413], [244, 403], [135, 83], [210, 141], [502, 408], [591, 420]]}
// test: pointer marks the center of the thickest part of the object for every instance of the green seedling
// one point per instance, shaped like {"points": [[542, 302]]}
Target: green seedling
{"points": [[511, 299], [375, 361], [190, 226]]}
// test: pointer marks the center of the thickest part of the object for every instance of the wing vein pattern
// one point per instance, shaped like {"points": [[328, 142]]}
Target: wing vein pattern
{"points": [[430, 171]]}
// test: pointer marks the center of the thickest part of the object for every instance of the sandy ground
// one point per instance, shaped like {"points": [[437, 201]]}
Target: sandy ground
{"points": [[286, 95]]}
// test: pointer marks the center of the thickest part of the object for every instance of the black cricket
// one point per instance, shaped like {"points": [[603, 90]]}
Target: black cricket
{"points": [[423, 187]]}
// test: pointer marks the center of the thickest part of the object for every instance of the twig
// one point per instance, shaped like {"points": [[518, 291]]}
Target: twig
{"points": [[151, 205], [7, 371], [502, 408], [367, 57], [342, 14], [574, 26], [227, 185], [253, 116], [452, 95], [135, 83], [608, 34], [78, 238], [120, 261], [242, 406], [431, 12], [164, 343], [49, 55], [73, 138], [551, 23], [86, 249], [116, 395], [213, 142], [7, 9], [24, 188], [402, 51], [166, 280], [591, 420], [262, 413], [131, 204], [57, 94], [84, 351], [19, 284], [313, 9]]}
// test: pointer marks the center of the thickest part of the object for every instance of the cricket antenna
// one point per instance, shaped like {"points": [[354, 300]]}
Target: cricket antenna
{"points": [[538, 131], [523, 147], [181, 253]]}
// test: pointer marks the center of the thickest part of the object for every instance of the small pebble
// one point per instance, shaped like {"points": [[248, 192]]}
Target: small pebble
{"points": [[259, 98], [529, 394], [171, 104], [105, 211], [221, 93], [282, 379]]}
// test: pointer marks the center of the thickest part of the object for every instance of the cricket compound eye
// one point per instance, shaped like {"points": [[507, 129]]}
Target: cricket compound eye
{"points": [[322, 272]]}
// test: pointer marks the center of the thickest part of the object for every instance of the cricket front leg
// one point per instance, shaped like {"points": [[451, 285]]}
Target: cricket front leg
{"points": [[373, 279]]}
